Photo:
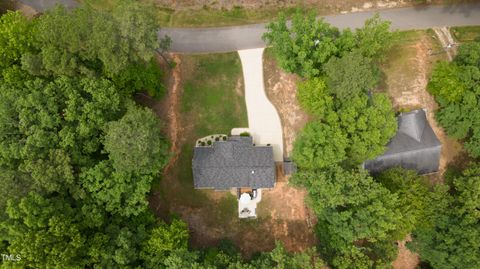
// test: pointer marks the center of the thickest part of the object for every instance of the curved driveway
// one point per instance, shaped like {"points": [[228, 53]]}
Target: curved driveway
{"points": [[224, 39], [263, 120]]}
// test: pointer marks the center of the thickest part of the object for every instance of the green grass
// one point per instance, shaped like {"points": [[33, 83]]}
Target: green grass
{"points": [[209, 104], [205, 17], [213, 17], [400, 68], [466, 33]]}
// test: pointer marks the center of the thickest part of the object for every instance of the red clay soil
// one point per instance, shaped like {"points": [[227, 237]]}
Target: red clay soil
{"points": [[281, 89]]}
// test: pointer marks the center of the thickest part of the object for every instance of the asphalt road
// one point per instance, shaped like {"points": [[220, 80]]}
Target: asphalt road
{"points": [[42, 5], [225, 39]]}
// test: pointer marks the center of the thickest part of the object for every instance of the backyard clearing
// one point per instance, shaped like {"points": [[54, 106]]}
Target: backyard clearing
{"points": [[407, 69], [281, 89], [211, 100]]}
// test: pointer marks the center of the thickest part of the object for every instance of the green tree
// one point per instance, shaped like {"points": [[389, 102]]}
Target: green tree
{"points": [[451, 239], [375, 38], [305, 46], [16, 38], [457, 89], [357, 217], [15, 185], [314, 98], [369, 123], [413, 195], [319, 146], [45, 233], [88, 42], [351, 75], [135, 144], [165, 239], [445, 83], [118, 192]]}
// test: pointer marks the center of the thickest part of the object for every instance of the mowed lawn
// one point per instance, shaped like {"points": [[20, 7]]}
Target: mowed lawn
{"points": [[211, 102]]}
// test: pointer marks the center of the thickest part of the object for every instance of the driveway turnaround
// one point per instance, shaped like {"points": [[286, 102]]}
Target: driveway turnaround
{"points": [[225, 39], [263, 120]]}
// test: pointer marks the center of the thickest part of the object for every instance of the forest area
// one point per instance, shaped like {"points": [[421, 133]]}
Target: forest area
{"points": [[79, 156], [362, 216]]}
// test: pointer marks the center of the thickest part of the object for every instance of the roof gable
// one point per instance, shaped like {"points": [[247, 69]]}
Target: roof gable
{"points": [[233, 163], [415, 146]]}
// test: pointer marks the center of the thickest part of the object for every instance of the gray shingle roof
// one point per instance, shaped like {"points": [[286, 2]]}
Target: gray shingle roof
{"points": [[415, 146], [233, 163]]}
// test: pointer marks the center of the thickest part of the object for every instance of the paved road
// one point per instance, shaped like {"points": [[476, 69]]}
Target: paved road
{"points": [[263, 120], [42, 5], [226, 39]]}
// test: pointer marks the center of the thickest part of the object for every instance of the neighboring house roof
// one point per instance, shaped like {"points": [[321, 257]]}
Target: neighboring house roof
{"points": [[415, 146], [233, 163]]}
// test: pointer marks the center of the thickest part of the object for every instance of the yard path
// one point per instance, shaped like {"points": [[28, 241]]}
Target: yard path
{"points": [[263, 120]]}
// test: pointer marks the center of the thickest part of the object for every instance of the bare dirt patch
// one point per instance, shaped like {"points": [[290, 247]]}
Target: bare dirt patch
{"points": [[405, 259], [281, 89]]}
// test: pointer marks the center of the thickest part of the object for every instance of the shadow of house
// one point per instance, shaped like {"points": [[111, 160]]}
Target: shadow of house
{"points": [[415, 146]]}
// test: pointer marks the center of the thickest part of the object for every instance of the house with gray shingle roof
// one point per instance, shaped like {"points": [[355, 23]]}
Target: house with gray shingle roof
{"points": [[233, 163], [415, 146], [222, 163]]}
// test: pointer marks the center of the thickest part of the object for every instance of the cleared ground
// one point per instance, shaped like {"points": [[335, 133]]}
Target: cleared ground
{"points": [[207, 93], [407, 71], [281, 89]]}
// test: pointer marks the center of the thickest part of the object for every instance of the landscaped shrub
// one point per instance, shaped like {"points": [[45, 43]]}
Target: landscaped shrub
{"points": [[245, 134], [209, 142], [203, 143], [217, 138], [224, 138]]}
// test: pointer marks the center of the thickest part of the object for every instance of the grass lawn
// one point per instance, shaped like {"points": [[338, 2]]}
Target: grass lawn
{"points": [[407, 68], [209, 104], [465, 34]]}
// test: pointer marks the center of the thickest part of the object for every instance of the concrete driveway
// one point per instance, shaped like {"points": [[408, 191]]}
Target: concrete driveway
{"points": [[263, 120]]}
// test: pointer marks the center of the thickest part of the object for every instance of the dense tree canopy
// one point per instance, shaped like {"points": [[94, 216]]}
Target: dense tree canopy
{"points": [[304, 47], [319, 146], [357, 216], [413, 197], [84, 40], [16, 38], [451, 238], [135, 143], [65, 85], [456, 86], [351, 75], [355, 129]]}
